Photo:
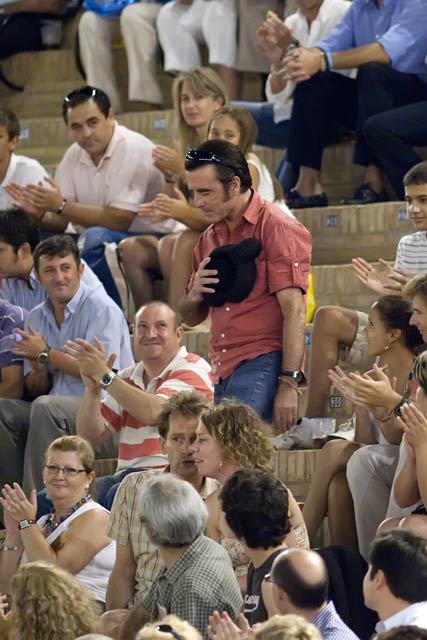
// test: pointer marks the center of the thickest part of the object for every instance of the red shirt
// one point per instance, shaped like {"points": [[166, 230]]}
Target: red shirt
{"points": [[245, 330]]}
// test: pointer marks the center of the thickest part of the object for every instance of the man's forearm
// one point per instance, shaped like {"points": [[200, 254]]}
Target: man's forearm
{"points": [[62, 362], [90, 423], [192, 312], [141, 405], [354, 58], [120, 590], [93, 216], [293, 337]]}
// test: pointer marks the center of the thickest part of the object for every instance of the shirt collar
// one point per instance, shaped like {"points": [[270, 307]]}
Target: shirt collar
{"points": [[408, 615], [327, 612], [13, 162], [184, 561], [72, 305], [182, 352]]}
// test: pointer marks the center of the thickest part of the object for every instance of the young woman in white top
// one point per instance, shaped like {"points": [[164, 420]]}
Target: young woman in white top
{"points": [[73, 536]]}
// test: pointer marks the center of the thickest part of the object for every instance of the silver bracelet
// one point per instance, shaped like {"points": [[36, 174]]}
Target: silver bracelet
{"points": [[6, 547]]}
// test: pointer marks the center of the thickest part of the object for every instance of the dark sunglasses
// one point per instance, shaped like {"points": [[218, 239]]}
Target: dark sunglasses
{"points": [[166, 628]]}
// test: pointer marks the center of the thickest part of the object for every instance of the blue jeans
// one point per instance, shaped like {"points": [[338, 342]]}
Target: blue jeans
{"points": [[91, 244], [253, 382]]}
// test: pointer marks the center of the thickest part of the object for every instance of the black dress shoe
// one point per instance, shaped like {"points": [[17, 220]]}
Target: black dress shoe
{"points": [[295, 200], [365, 195]]}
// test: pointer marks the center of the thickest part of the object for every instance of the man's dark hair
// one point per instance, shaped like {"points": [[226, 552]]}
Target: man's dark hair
{"points": [[402, 557], [56, 246], [228, 160], [10, 122], [303, 592], [82, 95], [16, 228], [189, 404], [256, 508], [404, 632], [416, 175]]}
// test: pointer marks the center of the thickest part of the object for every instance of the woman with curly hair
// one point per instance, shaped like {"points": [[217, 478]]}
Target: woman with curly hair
{"points": [[230, 437], [47, 603]]}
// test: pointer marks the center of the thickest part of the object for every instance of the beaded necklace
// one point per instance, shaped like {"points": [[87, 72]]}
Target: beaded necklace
{"points": [[51, 522]]}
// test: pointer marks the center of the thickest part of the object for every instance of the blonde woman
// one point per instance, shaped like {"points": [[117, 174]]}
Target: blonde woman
{"points": [[169, 628], [230, 437], [73, 536], [47, 603]]}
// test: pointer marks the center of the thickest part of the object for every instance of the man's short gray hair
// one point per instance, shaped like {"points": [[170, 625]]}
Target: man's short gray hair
{"points": [[172, 511]]}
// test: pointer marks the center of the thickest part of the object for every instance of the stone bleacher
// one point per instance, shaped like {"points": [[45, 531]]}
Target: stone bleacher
{"points": [[339, 233]]}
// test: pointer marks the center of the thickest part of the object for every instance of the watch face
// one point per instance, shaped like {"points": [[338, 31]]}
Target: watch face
{"points": [[298, 376], [107, 379], [43, 357]]}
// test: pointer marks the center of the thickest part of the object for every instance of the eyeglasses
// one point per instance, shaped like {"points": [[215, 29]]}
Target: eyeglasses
{"points": [[88, 91], [268, 578], [166, 628], [71, 472]]}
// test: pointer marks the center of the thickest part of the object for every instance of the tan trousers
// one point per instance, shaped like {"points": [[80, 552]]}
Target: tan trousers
{"points": [[137, 26]]}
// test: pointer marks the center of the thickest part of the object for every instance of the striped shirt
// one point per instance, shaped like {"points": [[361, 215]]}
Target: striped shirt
{"points": [[139, 443], [125, 528], [412, 253], [330, 625]]}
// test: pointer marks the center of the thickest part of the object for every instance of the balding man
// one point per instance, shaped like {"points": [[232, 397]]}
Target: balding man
{"points": [[136, 395], [300, 586]]}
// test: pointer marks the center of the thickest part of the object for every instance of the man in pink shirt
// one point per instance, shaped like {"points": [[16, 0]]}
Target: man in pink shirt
{"points": [[257, 345], [102, 178]]}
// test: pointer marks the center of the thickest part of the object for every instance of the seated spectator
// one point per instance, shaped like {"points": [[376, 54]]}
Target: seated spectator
{"points": [[197, 94], [299, 582], [137, 561], [198, 577], [373, 39], [182, 25], [99, 182], [395, 584], [392, 136], [19, 237], [45, 598], [409, 486], [335, 326], [32, 26], [137, 28], [14, 168], [310, 22], [72, 310], [394, 342], [236, 125], [137, 394], [73, 535], [170, 625], [255, 508], [232, 437], [11, 365]]}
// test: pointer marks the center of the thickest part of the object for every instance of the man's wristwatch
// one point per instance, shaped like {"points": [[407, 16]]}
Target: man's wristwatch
{"points": [[43, 357], [295, 375], [107, 379], [398, 408], [24, 524]]}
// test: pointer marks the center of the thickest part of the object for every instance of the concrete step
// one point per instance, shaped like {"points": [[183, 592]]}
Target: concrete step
{"points": [[340, 233]]}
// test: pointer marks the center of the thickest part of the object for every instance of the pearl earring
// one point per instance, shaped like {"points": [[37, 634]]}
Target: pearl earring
{"points": [[221, 462], [387, 347]]}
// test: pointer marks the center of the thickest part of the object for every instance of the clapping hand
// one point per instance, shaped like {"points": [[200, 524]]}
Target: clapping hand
{"points": [[16, 504], [388, 281]]}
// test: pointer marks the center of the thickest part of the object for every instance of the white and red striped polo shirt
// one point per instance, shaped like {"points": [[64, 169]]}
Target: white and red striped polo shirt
{"points": [[139, 444]]}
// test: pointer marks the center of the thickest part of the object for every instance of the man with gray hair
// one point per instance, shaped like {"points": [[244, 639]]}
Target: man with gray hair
{"points": [[198, 577]]}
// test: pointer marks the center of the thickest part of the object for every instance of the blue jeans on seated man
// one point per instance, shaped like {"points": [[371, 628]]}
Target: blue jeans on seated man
{"points": [[91, 244], [253, 382], [105, 490]]}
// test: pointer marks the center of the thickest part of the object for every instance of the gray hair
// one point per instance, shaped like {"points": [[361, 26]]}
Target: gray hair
{"points": [[172, 511]]}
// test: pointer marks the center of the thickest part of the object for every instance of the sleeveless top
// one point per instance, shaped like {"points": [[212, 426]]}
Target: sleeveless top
{"points": [[254, 607], [95, 575]]}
